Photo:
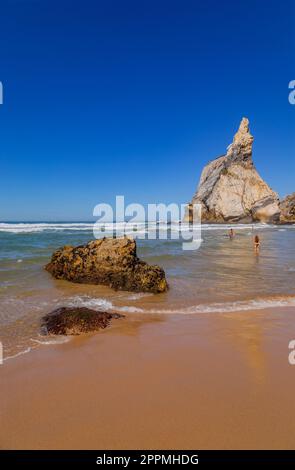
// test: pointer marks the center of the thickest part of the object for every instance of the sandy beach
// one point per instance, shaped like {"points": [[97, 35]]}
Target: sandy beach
{"points": [[178, 381]]}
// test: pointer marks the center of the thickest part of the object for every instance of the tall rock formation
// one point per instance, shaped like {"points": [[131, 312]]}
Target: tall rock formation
{"points": [[230, 188]]}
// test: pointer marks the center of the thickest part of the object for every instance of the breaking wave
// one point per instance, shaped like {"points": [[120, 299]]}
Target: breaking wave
{"points": [[215, 307], [53, 340], [119, 226], [17, 354]]}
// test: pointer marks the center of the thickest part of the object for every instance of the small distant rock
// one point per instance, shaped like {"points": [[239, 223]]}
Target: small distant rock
{"points": [[111, 262], [77, 320], [287, 207]]}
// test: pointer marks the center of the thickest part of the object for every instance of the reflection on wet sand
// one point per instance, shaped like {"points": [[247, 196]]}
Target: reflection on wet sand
{"points": [[248, 333]]}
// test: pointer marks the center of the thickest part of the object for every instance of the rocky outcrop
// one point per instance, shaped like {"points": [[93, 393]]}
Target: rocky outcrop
{"points": [[110, 261], [74, 321], [230, 188], [287, 207]]}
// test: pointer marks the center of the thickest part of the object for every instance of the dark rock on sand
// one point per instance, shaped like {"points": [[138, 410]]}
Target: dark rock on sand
{"points": [[74, 321], [110, 261], [287, 207]]}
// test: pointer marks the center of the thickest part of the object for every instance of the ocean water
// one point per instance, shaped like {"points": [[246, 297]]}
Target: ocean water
{"points": [[222, 276]]}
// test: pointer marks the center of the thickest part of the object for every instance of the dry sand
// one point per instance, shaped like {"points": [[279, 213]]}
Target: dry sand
{"points": [[188, 381]]}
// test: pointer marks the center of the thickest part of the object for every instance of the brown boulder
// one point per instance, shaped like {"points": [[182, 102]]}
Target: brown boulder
{"points": [[110, 261], [74, 321]]}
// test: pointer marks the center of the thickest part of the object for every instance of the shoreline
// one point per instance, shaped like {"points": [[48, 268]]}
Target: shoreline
{"points": [[169, 381], [141, 305]]}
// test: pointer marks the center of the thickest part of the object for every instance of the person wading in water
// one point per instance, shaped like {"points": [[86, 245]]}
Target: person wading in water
{"points": [[256, 244], [231, 234]]}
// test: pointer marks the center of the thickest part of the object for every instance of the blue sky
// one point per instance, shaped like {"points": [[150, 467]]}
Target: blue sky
{"points": [[134, 97]]}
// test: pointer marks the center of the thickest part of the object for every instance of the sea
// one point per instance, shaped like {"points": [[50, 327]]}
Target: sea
{"points": [[222, 276]]}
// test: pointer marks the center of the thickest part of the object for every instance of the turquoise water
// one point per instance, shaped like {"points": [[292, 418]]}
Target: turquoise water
{"points": [[222, 276]]}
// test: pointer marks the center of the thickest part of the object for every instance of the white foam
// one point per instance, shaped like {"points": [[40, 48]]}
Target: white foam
{"points": [[129, 309], [121, 227], [138, 295], [229, 307], [54, 340], [91, 302], [17, 354], [217, 307], [40, 227], [100, 304]]}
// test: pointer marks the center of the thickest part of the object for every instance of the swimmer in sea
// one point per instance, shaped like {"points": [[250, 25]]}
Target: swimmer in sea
{"points": [[231, 234], [256, 244]]}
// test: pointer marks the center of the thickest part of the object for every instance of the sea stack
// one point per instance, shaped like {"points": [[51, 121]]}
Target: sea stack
{"points": [[230, 188], [109, 261]]}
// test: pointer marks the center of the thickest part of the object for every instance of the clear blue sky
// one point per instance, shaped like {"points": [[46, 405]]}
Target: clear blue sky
{"points": [[134, 97]]}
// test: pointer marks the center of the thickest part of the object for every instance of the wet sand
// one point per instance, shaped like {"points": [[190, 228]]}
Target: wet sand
{"points": [[184, 381]]}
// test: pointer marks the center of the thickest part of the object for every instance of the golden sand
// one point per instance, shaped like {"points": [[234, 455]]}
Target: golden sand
{"points": [[188, 382]]}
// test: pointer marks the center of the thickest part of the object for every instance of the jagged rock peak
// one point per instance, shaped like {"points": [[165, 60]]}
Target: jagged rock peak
{"points": [[241, 148], [243, 131]]}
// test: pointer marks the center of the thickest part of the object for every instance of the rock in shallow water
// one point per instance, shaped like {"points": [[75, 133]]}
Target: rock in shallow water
{"points": [[77, 320], [287, 206], [110, 261]]}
